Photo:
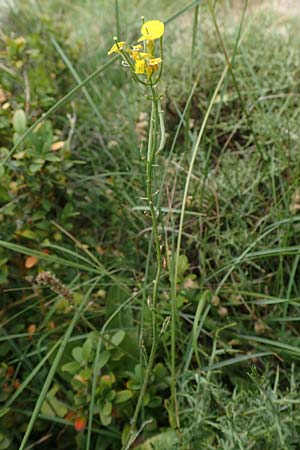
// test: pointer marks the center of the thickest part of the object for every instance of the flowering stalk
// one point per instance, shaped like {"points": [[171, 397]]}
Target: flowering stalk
{"points": [[150, 169], [146, 69]]}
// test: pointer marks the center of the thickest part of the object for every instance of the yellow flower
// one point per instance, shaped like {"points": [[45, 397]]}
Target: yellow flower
{"points": [[153, 66], [116, 48], [152, 30], [139, 66], [144, 60], [154, 61]]}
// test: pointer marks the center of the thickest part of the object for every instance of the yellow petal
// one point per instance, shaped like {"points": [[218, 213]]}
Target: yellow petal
{"points": [[145, 55], [139, 67], [151, 30], [116, 48], [135, 55], [154, 61]]}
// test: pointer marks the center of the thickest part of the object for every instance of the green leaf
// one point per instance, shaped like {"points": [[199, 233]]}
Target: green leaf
{"points": [[52, 158], [183, 265], [160, 370], [86, 374], [71, 367], [35, 167], [54, 407], [77, 354], [107, 409], [111, 395], [180, 301], [105, 414], [19, 121], [134, 385], [123, 396], [103, 359], [87, 349], [118, 337], [105, 420]]}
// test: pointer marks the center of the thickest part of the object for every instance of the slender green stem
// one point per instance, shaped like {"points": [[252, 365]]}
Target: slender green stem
{"points": [[117, 16], [152, 301], [194, 37], [182, 11], [162, 128], [193, 47]]}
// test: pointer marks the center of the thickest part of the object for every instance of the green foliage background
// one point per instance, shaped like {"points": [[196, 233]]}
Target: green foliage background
{"points": [[71, 202]]}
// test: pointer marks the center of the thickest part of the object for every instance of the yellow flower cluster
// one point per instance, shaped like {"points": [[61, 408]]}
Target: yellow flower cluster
{"points": [[141, 58]]}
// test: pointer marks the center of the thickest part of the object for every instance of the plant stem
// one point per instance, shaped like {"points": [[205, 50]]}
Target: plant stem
{"points": [[150, 172], [117, 16]]}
